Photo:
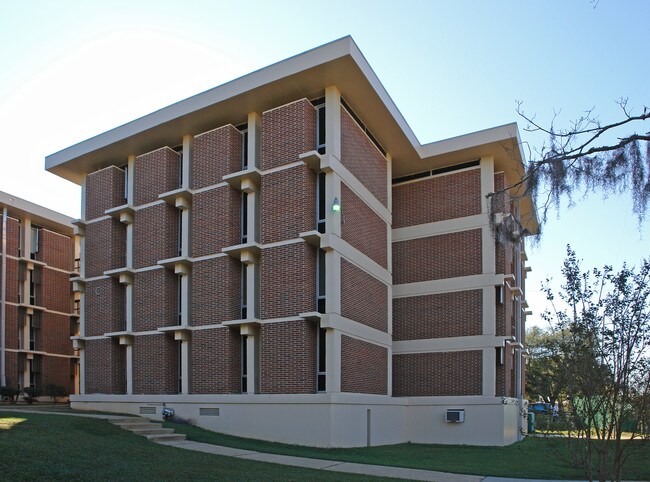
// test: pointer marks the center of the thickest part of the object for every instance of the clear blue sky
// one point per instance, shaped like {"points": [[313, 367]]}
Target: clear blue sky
{"points": [[71, 70]]}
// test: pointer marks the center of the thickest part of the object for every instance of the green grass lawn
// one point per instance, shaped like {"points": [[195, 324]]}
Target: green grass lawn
{"points": [[54, 447], [541, 458]]}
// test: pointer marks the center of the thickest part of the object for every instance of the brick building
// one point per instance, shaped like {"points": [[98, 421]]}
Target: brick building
{"points": [[280, 258], [38, 312]]}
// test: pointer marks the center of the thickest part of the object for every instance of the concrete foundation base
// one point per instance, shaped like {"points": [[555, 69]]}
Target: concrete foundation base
{"points": [[330, 420]]}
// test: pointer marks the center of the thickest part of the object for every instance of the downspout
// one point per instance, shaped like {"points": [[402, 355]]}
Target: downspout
{"points": [[3, 293]]}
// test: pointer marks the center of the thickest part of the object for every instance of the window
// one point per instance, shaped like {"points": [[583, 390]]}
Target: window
{"points": [[320, 128], [126, 182], [320, 203], [321, 357], [34, 247], [244, 364], [179, 299], [320, 281], [180, 168], [243, 294], [180, 233], [244, 217], [32, 287], [32, 333]]}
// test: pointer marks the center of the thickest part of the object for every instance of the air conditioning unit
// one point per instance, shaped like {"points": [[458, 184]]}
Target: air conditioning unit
{"points": [[455, 415]]}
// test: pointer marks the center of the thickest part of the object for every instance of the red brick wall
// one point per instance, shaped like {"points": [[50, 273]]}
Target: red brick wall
{"points": [[104, 190], [13, 322], [216, 220], [216, 290], [216, 361], [154, 299], [56, 371], [105, 309], [155, 364], [437, 257], [55, 249], [12, 294], [437, 198], [288, 280], [12, 369], [458, 313], [287, 132], [363, 297], [105, 367], [362, 228], [155, 173], [362, 158], [216, 153], [438, 374], [55, 334], [13, 237], [155, 235], [288, 357], [56, 290], [364, 367], [288, 204], [105, 246]]}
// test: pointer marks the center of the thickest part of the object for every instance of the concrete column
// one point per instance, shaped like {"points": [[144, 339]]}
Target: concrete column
{"points": [[254, 139], [252, 363], [129, 369], [185, 367], [185, 232], [185, 299], [333, 360], [489, 372], [489, 310], [253, 214], [332, 282], [128, 308], [251, 291], [188, 151], [26, 227], [333, 122], [130, 188], [83, 197], [82, 372], [487, 181]]}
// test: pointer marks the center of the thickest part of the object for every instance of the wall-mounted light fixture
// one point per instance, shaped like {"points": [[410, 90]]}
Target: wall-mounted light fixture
{"points": [[336, 205]]}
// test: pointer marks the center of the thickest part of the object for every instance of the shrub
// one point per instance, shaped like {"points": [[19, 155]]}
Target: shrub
{"points": [[55, 391], [8, 393], [30, 394]]}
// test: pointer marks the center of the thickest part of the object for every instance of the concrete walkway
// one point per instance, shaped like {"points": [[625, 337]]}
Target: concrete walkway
{"points": [[318, 464]]}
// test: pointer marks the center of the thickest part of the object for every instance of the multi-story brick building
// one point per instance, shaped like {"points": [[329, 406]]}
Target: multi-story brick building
{"points": [[279, 257], [38, 311]]}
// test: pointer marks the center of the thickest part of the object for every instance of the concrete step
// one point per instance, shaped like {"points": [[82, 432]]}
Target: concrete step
{"points": [[172, 437], [118, 421], [151, 431], [136, 425]]}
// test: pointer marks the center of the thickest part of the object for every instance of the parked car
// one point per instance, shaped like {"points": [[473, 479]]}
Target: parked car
{"points": [[539, 407]]}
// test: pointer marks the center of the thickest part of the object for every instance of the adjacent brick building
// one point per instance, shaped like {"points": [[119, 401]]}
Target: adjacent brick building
{"points": [[280, 258], [38, 311]]}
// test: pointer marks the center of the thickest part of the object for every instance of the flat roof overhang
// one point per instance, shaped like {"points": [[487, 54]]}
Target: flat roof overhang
{"points": [[306, 75], [339, 63], [39, 215]]}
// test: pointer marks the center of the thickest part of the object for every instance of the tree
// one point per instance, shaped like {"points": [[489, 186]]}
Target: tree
{"points": [[585, 157], [542, 366], [602, 319]]}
